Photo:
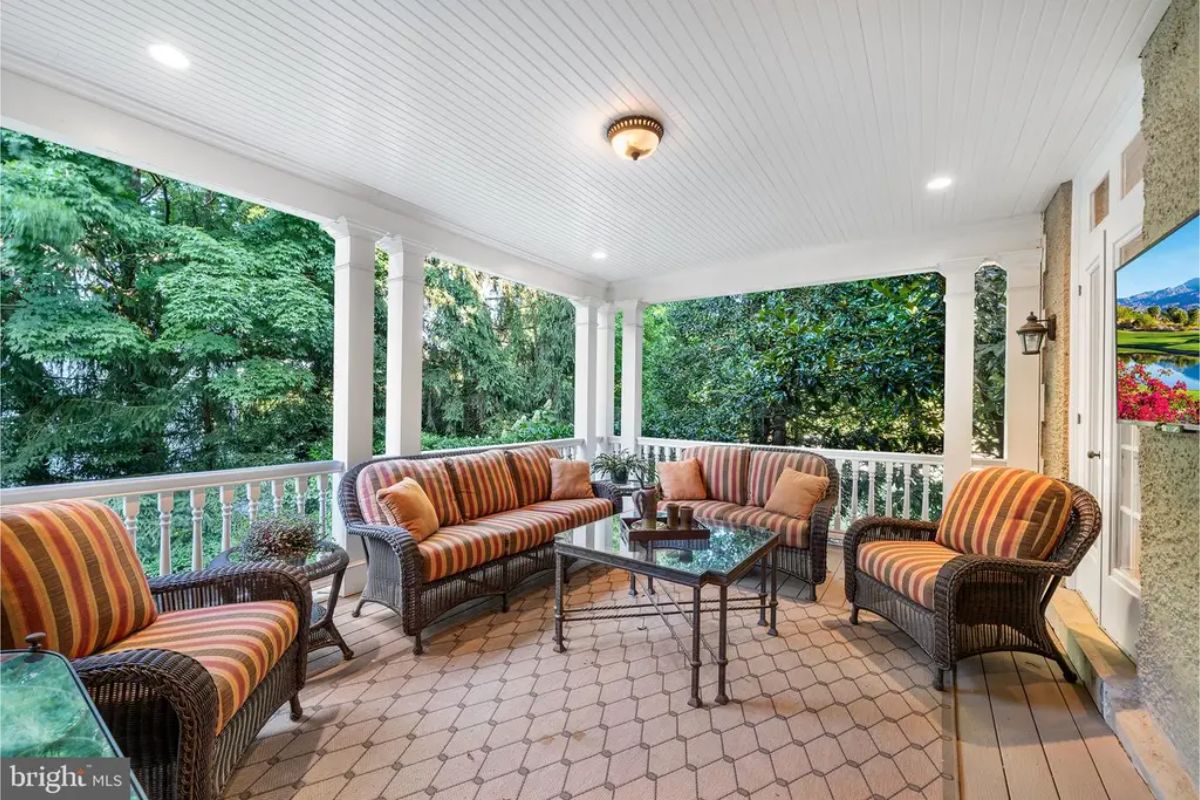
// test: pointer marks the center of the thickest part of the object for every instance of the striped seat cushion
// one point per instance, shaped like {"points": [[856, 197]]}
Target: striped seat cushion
{"points": [[482, 484], [910, 568], [1005, 512], [525, 528], [530, 468], [724, 471], [793, 531], [767, 465], [459, 547], [431, 473], [237, 645], [69, 569], [577, 512], [705, 509]]}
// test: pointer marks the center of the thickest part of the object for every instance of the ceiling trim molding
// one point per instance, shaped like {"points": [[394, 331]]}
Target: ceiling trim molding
{"points": [[839, 263], [44, 109]]}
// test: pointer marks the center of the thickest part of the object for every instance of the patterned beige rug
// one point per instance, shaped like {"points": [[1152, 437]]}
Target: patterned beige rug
{"points": [[491, 711]]}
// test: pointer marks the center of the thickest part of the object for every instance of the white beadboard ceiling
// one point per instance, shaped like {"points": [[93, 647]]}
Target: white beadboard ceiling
{"points": [[789, 125]]}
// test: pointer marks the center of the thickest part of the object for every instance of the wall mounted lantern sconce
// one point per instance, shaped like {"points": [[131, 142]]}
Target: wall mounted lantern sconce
{"points": [[1035, 332]]}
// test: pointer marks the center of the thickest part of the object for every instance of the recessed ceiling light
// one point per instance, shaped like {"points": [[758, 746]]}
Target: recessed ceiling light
{"points": [[168, 55], [599, 255], [939, 183]]}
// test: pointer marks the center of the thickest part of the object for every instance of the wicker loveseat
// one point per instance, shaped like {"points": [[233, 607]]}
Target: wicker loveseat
{"points": [[980, 579], [496, 528], [739, 479], [185, 669]]}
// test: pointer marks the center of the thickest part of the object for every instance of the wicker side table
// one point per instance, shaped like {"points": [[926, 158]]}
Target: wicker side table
{"points": [[327, 559]]}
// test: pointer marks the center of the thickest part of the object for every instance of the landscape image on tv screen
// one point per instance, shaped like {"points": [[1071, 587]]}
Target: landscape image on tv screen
{"points": [[1158, 331]]}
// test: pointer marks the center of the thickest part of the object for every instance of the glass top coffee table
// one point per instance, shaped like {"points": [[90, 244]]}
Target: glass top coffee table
{"points": [[728, 555]]}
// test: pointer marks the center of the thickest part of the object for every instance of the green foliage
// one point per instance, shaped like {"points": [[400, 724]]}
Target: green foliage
{"points": [[991, 289]]}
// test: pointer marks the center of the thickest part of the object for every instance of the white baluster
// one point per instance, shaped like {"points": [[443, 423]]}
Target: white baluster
{"points": [[132, 504], [839, 514], [871, 489], [322, 499], [907, 491], [166, 500], [226, 517], [197, 528], [253, 493], [277, 489], [854, 490], [301, 494], [888, 475], [925, 492]]}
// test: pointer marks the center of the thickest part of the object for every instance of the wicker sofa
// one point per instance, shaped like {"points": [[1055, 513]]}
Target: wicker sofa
{"points": [[185, 669], [497, 528], [738, 480], [979, 580]]}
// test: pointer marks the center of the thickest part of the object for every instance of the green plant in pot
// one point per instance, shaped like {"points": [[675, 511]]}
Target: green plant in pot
{"points": [[283, 538], [620, 465]]}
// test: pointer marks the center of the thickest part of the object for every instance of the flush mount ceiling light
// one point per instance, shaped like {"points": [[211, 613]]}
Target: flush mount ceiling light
{"points": [[168, 55], [939, 183], [635, 137], [599, 255]]}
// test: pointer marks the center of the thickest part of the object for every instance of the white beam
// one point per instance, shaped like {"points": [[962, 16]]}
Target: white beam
{"points": [[606, 366], [585, 376], [631, 373], [957, 433], [1022, 373], [353, 363], [405, 354], [199, 156], [851, 261]]}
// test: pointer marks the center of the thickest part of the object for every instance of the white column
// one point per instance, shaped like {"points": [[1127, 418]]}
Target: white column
{"points": [[405, 311], [353, 363], [585, 376], [605, 366], [1022, 373], [631, 373], [957, 433]]}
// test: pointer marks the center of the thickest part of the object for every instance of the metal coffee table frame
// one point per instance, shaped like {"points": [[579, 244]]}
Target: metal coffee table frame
{"points": [[766, 558]]}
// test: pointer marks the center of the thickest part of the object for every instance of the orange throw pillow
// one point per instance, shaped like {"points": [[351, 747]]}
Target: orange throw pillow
{"points": [[681, 480], [796, 493], [570, 480], [405, 504]]}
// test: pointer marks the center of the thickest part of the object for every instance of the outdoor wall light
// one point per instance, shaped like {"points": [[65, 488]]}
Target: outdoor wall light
{"points": [[1035, 332], [635, 137]]}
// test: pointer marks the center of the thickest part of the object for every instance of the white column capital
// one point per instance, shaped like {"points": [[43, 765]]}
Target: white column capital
{"points": [[586, 302], [632, 311], [391, 244], [1022, 267], [345, 228]]}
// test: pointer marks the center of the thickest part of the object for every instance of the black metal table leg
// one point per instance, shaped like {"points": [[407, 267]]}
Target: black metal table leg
{"points": [[694, 700], [762, 592], [722, 617], [773, 631], [632, 585], [558, 603]]}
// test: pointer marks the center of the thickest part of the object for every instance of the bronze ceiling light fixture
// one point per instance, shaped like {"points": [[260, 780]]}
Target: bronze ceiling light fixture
{"points": [[635, 137]]}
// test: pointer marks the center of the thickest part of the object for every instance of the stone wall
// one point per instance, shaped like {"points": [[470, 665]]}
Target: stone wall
{"points": [[1056, 299], [1168, 642]]}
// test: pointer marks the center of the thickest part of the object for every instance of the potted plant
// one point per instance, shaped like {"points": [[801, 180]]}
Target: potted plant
{"points": [[618, 466], [284, 538]]}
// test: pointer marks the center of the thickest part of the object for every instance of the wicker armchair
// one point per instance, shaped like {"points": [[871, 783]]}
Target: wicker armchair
{"points": [[181, 733], [980, 603]]}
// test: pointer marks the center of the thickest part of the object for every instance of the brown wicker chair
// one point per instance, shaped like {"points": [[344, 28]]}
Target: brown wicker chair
{"points": [[981, 603], [395, 578], [162, 705]]}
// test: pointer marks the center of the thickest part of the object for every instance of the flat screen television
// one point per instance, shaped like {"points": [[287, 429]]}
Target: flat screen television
{"points": [[1158, 331]]}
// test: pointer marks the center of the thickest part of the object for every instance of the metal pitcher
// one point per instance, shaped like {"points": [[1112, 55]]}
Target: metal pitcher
{"points": [[645, 501]]}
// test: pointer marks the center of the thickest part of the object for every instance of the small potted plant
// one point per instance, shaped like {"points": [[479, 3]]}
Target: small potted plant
{"points": [[283, 538], [619, 465]]}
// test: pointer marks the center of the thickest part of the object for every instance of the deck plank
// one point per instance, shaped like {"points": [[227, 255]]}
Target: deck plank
{"points": [[1117, 772], [1025, 767], [981, 770]]}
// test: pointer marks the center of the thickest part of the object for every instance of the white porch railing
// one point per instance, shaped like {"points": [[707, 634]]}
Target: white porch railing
{"points": [[905, 485], [225, 500]]}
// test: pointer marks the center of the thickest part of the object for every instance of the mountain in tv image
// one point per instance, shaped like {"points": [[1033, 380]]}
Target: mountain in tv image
{"points": [[1185, 296]]}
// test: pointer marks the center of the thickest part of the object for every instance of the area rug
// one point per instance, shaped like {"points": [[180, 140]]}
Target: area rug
{"points": [[490, 711]]}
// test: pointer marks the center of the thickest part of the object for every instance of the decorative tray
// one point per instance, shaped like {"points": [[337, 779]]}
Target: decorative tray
{"points": [[637, 530]]}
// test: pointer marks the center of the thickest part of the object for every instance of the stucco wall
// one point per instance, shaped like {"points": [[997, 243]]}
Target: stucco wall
{"points": [[1168, 646], [1056, 299]]}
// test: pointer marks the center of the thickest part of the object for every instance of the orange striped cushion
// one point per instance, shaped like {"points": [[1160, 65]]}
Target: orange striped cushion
{"points": [[237, 644], [793, 531], [724, 471], [767, 465], [577, 512], [530, 468], [431, 473], [459, 547], [910, 568], [525, 527], [1005, 512], [69, 569], [482, 484], [704, 509]]}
